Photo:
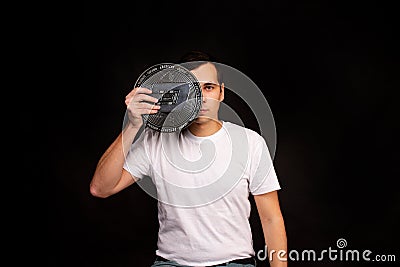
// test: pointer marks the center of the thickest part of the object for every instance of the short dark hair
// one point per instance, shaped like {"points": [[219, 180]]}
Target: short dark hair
{"points": [[197, 55], [196, 58]]}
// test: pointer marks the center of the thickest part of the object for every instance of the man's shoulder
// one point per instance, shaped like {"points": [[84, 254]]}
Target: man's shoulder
{"points": [[236, 126], [250, 133]]}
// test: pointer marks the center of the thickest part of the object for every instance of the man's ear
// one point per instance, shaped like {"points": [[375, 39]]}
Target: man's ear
{"points": [[222, 92]]}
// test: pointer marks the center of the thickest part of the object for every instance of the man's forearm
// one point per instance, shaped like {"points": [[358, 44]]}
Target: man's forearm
{"points": [[276, 241], [109, 168]]}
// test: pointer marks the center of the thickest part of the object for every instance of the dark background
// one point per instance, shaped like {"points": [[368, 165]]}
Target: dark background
{"points": [[329, 71]]}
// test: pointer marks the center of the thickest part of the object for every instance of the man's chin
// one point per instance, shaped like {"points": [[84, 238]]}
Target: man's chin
{"points": [[203, 119]]}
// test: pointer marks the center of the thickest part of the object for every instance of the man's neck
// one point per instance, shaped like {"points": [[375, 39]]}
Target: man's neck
{"points": [[202, 129]]}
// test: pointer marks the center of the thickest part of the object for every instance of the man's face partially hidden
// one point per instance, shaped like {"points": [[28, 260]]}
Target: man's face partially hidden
{"points": [[213, 92]]}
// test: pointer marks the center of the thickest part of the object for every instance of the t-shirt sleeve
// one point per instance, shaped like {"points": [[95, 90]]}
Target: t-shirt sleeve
{"points": [[137, 161], [263, 177]]}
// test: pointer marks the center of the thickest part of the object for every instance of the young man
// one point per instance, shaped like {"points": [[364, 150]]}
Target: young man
{"points": [[198, 228]]}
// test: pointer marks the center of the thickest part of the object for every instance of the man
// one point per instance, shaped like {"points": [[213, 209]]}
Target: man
{"points": [[198, 228]]}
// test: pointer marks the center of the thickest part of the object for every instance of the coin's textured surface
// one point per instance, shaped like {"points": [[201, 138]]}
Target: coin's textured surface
{"points": [[178, 93]]}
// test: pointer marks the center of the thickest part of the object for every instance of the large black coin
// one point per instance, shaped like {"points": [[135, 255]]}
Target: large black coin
{"points": [[179, 96]]}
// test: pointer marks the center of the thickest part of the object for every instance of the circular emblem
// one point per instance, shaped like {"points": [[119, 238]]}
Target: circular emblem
{"points": [[179, 96]]}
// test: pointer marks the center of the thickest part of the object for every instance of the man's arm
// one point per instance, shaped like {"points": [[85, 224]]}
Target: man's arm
{"points": [[110, 176], [273, 227]]}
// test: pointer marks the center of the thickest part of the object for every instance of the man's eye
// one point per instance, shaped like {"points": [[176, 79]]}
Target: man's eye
{"points": [[208, 87]]}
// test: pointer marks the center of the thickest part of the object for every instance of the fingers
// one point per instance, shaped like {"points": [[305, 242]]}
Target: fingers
{"points": [[143, 97], [142, 107], [145, 105], [140, 94], [139, 102], [148, 111], [138, 90]]}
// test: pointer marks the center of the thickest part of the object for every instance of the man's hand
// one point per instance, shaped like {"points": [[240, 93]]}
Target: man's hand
{"points": [[138, 102]]}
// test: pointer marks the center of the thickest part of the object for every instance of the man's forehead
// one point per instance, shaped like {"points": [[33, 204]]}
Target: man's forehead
{"points": [[206, 73]]}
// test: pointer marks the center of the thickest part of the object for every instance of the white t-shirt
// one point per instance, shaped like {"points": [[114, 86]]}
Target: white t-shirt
{"points": [[203, 185]]}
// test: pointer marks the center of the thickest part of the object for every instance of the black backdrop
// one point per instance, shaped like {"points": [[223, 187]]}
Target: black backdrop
{"points": [[329, 72]]}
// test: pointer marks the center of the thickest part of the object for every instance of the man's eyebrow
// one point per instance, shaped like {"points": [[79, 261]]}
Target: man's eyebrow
{"points": [[210, 83]]}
